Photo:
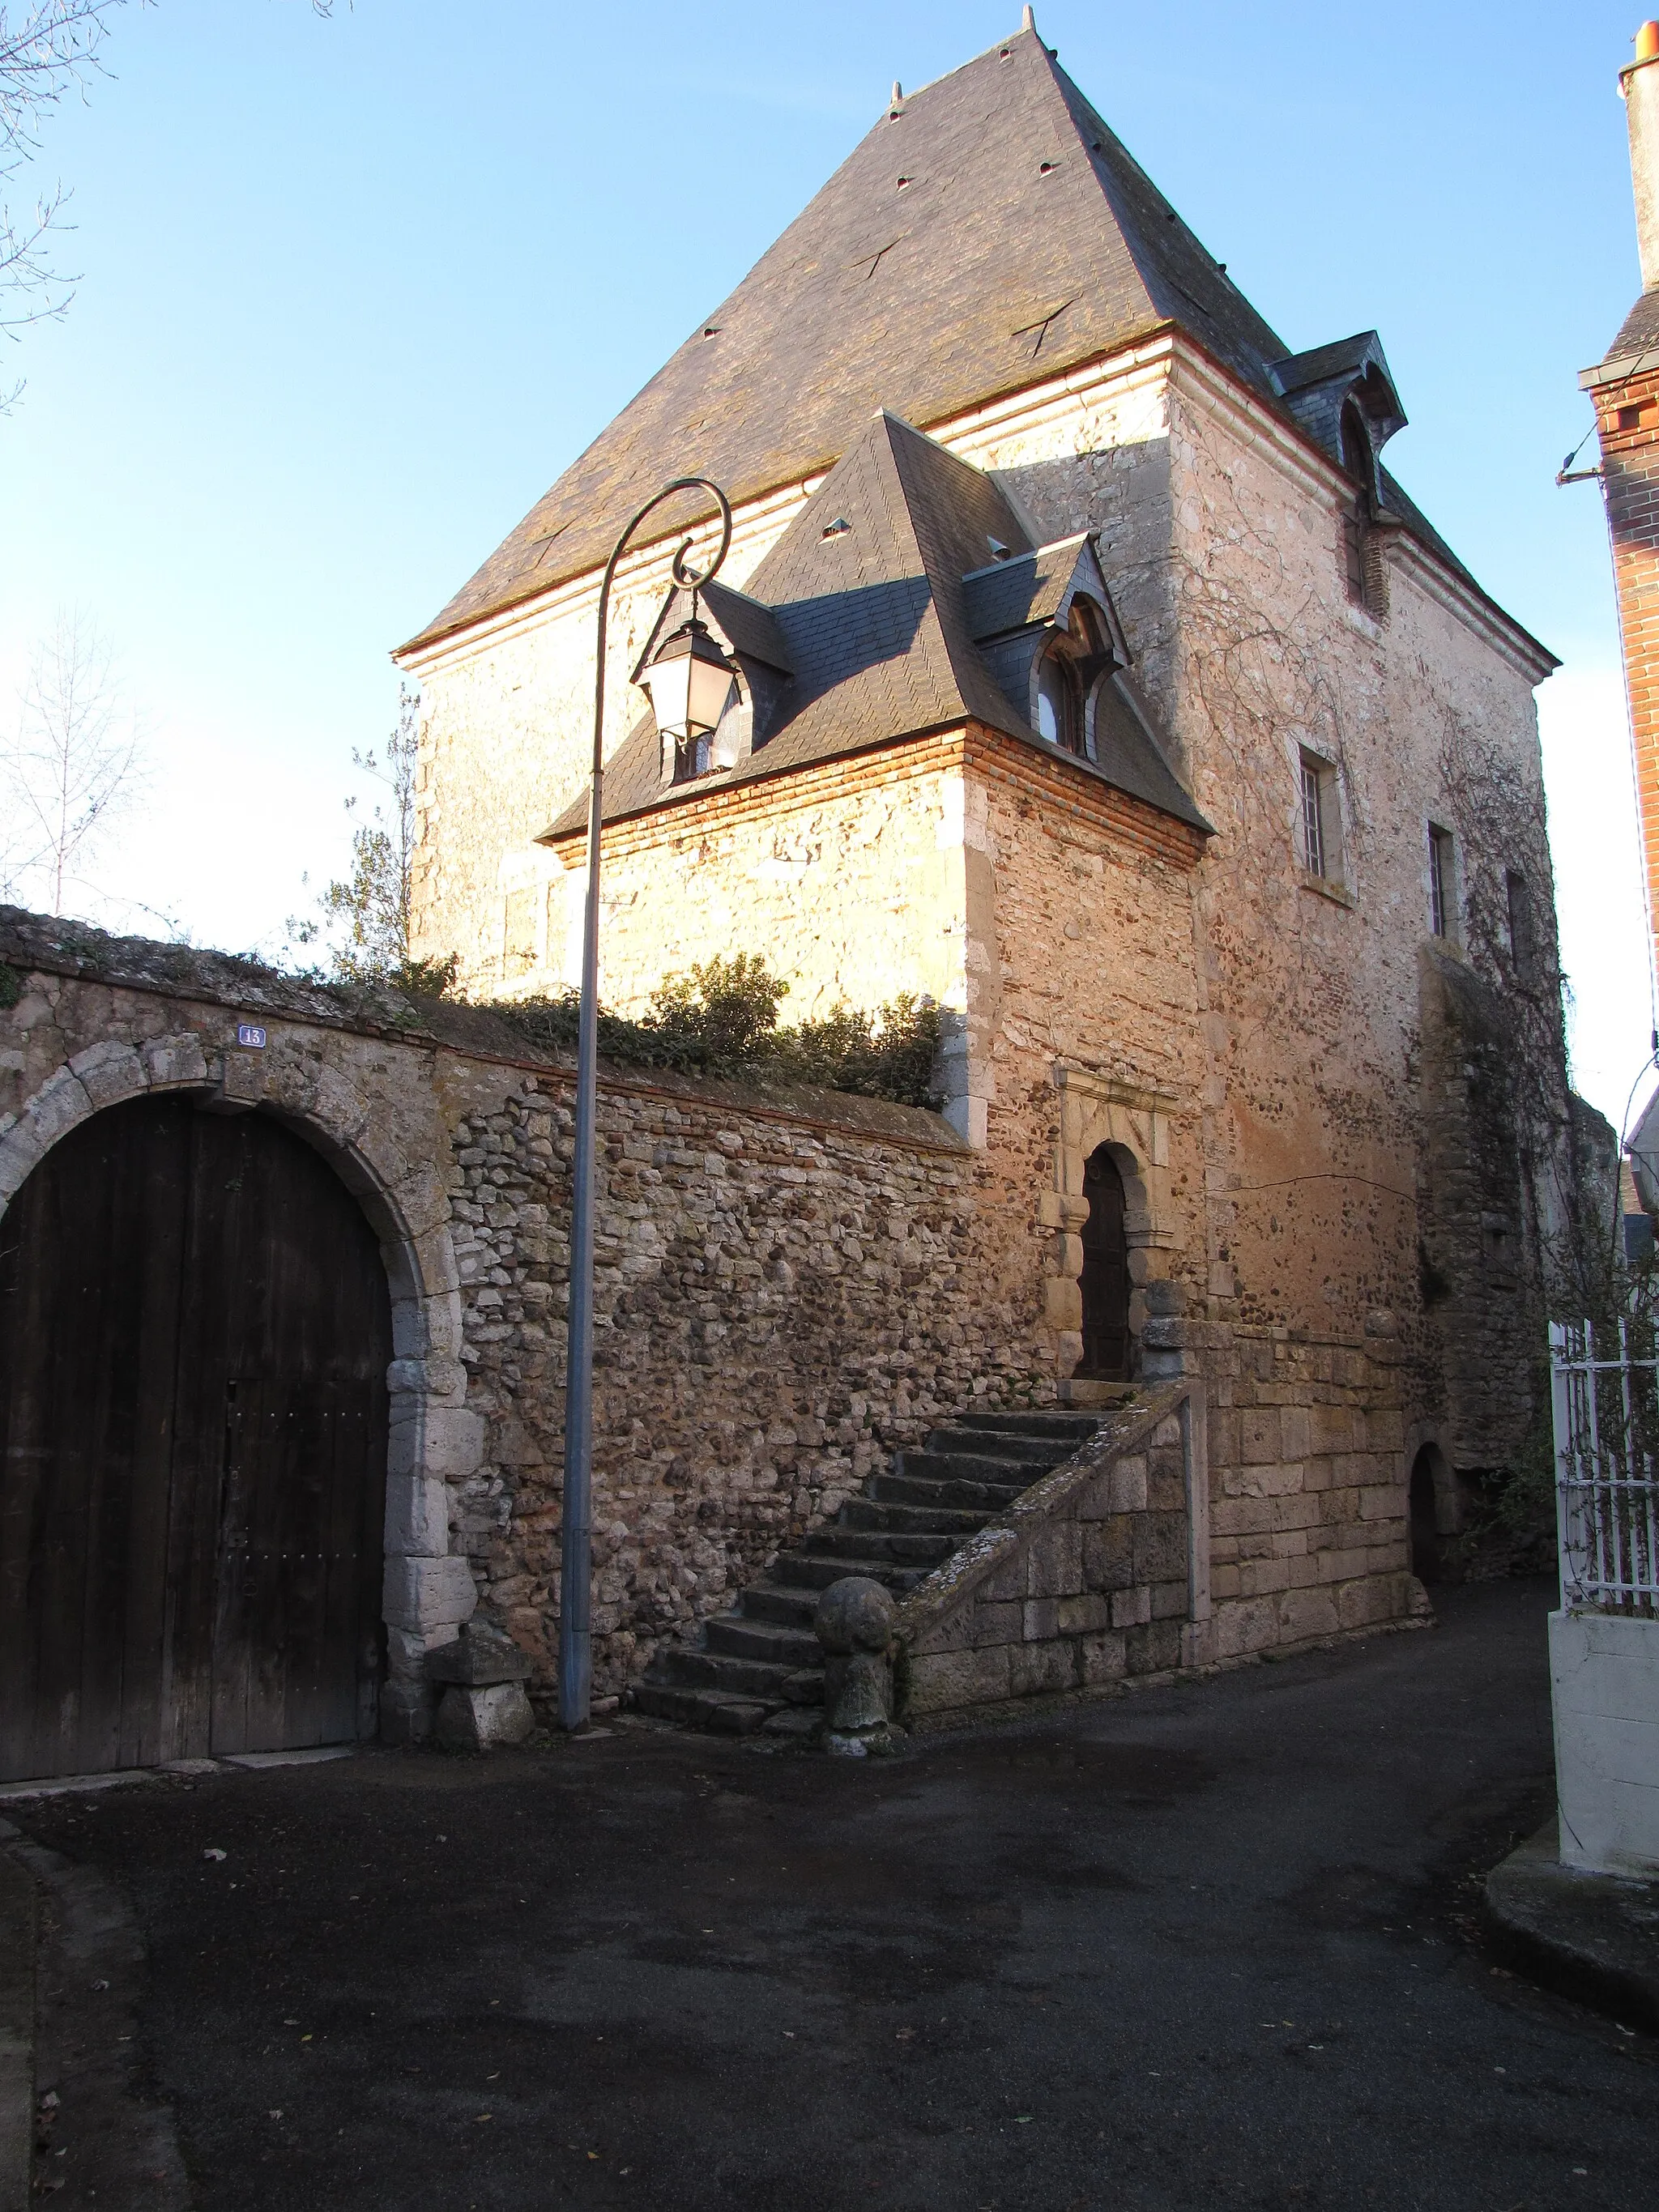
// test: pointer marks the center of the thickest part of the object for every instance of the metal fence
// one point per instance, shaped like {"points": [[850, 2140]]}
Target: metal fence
{"points": [[1606, 1399]]}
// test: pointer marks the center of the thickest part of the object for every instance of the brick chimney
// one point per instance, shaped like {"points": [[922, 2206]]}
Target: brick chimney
{"points": [[1625, 387]]}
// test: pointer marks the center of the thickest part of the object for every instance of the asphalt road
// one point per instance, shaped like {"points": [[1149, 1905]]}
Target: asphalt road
{"points": [[1208, 1945]]}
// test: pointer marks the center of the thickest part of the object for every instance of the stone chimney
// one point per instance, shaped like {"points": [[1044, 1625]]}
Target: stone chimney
{"points": [[1639, 84]]}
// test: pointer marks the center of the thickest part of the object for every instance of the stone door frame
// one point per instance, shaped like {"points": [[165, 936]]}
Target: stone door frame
{"points": [[393, 1156], [1132, 1123]]}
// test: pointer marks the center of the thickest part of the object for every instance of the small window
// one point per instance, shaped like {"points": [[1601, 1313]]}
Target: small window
{"points": [[1321, 823], [1059, 703], [1443, 883], [1518, 913], [693, 756]]}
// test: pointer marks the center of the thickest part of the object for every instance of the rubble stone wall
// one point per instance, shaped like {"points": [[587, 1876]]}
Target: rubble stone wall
{"points": [[787, 1287]]}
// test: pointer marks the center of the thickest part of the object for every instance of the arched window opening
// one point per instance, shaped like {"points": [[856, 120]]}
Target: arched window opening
{"points": [[1059, 717], [1105, 1279], [1067, 676]]}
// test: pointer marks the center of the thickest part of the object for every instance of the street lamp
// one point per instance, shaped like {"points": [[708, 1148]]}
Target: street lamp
{"points": [[688, 678]]}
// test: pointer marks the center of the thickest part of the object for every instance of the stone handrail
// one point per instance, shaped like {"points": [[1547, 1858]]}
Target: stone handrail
{"points": [[1099, 1570]]}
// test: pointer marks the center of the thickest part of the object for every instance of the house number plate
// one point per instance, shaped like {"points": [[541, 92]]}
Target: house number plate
{"points": [[251, 1033]]}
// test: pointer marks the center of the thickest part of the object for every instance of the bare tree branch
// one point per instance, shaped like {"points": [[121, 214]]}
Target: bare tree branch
{"points": [[75, 766], [49, 50]]}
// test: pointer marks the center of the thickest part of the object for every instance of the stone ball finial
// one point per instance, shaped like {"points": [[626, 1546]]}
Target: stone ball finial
{"points": [[854, 1614]]}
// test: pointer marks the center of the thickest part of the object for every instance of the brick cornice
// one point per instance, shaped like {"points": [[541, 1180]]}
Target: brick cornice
{"points": [[1066, 790]]}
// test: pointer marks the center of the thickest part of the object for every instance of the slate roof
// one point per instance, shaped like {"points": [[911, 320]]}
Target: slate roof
{"points": [[879, 622], [751, 627], [1028, 588], [1027, 240], [1639, 331]]}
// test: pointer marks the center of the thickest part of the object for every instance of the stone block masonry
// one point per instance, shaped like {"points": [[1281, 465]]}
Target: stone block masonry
{"points": [[1099, 1572]]}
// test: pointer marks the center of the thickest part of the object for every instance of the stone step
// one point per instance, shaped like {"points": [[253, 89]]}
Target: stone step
{"points": [[698, 1669], [1002, 1443], [760, 1665], [813, 1571], [771, 1600], [924, 1549], [790, 1646], [984, 1498], [969, 1467], [1061, 1426], [907, 1518], [703, 1709]]}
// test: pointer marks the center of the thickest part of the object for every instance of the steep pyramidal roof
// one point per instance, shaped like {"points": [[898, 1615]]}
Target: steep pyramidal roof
{"points": [[987, 233]]}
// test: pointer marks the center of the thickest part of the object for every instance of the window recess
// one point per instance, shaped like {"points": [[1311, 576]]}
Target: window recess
{"points": [[1321, 819], [1517, 900], [1443, 884]]}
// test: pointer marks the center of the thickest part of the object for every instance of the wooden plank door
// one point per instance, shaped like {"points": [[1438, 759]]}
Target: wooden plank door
{"points": [[89, 1265], [194, 1335], [287, 1379]]}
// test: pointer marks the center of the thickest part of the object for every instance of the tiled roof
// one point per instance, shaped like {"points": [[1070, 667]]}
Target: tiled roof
{"points": [[1639, 331], [1026, 587], [875, 619], [751, 627], [992, 231]]}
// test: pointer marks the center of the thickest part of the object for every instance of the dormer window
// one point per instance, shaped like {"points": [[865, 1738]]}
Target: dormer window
{"points": [[1060, 701], [693, 756], [1067, 677]]}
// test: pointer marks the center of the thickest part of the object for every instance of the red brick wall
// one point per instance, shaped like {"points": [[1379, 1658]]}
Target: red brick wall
{"points": [[1628, 414]]}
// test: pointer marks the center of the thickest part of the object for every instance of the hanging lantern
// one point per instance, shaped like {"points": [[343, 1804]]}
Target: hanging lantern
{"points": [[689, 680]]}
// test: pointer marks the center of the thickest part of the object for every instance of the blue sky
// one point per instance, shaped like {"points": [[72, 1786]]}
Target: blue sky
{"points": [[354, 292]]}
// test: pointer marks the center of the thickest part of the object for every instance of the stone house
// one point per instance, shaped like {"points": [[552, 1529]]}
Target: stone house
{"points": [[1090, 674]]}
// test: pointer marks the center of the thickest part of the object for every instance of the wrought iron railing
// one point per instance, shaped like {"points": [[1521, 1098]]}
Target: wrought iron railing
{"points": [[1606, 1402]]}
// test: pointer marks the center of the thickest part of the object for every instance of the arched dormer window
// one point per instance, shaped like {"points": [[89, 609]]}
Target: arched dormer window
{"points": [[1058, 701], [1361, 570], [1066, 674]]}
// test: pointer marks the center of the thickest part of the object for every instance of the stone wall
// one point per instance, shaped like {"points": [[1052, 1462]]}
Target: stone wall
{"points": [[1257, 1045], [782, 1301], [788, 1287]]}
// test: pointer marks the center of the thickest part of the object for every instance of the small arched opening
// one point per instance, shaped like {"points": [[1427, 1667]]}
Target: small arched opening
{"points": [[1425, 1512], [1104, 1281]]}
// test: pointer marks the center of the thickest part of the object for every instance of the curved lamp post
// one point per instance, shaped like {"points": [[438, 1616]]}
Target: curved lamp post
{"points": [[688, 679]]}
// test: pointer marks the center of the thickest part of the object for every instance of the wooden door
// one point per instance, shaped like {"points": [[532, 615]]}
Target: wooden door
{"points": [[1105, 1282], [194, 1335]]}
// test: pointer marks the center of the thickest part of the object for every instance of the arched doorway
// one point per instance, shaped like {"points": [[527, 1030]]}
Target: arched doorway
{"points": [[194, 1335], [1424, 1511], [1105, 1278]]}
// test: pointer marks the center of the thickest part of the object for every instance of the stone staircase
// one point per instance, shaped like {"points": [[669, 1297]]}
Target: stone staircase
{"points": [[760, 1666]]}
